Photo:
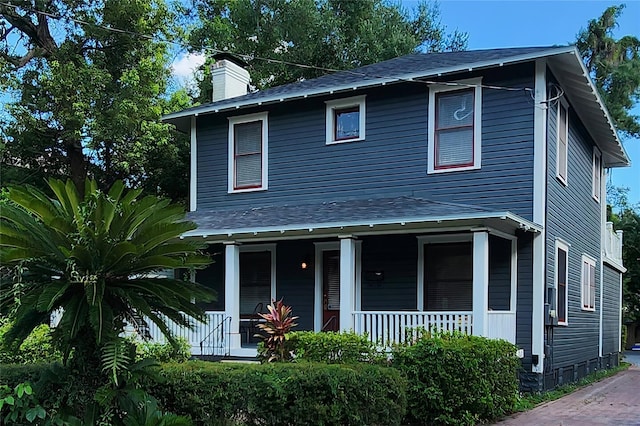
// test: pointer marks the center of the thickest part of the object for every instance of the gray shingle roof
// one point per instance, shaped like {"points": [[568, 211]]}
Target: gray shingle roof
{"points": [[336, 214], [408, 66]]}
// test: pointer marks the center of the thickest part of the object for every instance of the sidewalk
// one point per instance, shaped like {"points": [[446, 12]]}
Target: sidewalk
{"points": [[612, 401]]}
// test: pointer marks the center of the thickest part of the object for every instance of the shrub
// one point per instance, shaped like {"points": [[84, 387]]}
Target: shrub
{"points": [[458, 379], [332, 347], [164, 352], [283, 393], [36, 348]]}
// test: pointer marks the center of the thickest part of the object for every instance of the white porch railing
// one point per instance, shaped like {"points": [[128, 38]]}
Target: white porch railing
{"points": [[194, 336], [613, 244], [391, 327], [502, 325]]}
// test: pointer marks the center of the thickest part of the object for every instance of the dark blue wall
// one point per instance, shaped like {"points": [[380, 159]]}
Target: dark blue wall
{"points": [[573, 216], [393, 158]]}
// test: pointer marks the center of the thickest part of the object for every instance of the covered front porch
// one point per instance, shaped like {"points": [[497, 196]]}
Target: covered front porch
{"points": [[379, 267], [381, 285]]}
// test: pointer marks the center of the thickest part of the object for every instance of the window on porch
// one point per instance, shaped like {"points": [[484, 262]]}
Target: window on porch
{"points": [[448, 276], [255, 282]]}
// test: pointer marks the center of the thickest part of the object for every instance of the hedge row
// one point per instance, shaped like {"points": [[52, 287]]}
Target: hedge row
{"points": [[458, 379], [280, 394]]}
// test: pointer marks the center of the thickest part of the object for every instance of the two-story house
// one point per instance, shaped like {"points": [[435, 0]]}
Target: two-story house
{"points": [[458, 191]]}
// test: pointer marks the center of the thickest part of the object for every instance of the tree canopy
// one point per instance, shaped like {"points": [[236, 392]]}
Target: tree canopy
{"points": [[614, 66], [320, 34], [89, 80]]}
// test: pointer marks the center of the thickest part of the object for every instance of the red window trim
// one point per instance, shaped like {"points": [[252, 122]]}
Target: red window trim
{"points": [[564, 274], [236, 155], [336, 111], [437, 130]]}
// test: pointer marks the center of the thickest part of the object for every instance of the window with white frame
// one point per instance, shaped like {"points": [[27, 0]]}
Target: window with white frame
{"points": [[455, 118], [248, 152], [562, 145], [561, 279], [345, 120], [588, 281], [597, 174]]}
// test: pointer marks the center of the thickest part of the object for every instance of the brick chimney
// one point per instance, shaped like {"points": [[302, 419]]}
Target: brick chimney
{"points": [[229, 78]]}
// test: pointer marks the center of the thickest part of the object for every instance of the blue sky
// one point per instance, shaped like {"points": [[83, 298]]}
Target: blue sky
{"points": [[493, 24]]}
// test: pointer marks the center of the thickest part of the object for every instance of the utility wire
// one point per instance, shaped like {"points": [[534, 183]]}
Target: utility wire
{"points": [[245, 56]]}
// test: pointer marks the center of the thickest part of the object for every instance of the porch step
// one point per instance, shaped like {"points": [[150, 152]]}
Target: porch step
{"points": [[240, 360], [221, 358]]}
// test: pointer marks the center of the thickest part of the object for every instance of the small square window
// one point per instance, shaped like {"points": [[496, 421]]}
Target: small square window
{"points": [[347, 123], [455, 127], [345, 120]]}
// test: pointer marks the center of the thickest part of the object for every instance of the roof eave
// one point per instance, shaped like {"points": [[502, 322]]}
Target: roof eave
{"points": [[244, 103], [407, 224]]}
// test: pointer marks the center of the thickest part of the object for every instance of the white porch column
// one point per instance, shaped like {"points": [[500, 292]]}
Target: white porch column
{"points": [[232, 291], [347, 281], [480, 283]]}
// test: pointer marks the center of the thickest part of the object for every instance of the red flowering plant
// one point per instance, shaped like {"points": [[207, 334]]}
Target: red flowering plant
{"points": [[278, 322]]}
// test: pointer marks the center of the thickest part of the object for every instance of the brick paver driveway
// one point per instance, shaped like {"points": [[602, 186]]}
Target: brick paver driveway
{"points": [[613, 401]]}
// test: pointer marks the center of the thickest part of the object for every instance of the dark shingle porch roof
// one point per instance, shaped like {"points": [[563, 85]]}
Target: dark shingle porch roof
{"points": [[350, 216]]}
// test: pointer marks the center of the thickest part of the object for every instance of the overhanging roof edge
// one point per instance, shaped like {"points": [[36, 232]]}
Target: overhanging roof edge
{"points": [[204, 232]]}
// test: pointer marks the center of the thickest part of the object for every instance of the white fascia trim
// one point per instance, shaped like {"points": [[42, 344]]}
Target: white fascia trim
{"points": [[477, 124], [615, 265], [260, 116], [602, 105], [374, 82], [311, 227], [539, 212], [193, 160], [332, 105]]}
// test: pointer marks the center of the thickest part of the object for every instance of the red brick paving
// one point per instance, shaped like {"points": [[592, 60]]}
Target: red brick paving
{"points": [[612, 401]]}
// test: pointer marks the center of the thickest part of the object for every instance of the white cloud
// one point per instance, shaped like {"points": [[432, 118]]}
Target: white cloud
{"points": [[184, 66]]}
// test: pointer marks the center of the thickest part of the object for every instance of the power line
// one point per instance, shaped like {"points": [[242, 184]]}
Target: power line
{"points": [[258, 58]]}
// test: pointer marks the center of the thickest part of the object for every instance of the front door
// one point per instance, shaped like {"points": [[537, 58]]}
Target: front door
{"points": [[331, 290]]}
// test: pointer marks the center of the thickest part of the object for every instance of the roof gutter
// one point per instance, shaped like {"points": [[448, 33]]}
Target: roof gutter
{"points": [[342, 227]]}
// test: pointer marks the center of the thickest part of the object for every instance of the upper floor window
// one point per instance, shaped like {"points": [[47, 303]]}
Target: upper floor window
{"points": [[455, 126], [588, 292], [345, 120], [597, 174], [248, 153], [561, 277], [562, 142]]}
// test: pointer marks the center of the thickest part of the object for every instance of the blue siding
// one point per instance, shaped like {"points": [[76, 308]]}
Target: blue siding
{"points": [[499, 274], [391, 161], [573, 216], [524, 301], [611, 311]]}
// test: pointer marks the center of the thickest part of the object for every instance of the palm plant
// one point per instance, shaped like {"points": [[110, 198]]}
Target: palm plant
{"points": [[93, 259]]}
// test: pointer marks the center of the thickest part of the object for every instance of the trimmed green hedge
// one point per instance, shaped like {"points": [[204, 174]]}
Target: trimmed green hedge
{"points": [[279, 394], [332, 347], [458, 379]]}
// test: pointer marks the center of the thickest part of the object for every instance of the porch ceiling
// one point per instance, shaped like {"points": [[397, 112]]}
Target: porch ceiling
{"points": [[356, 217]]}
